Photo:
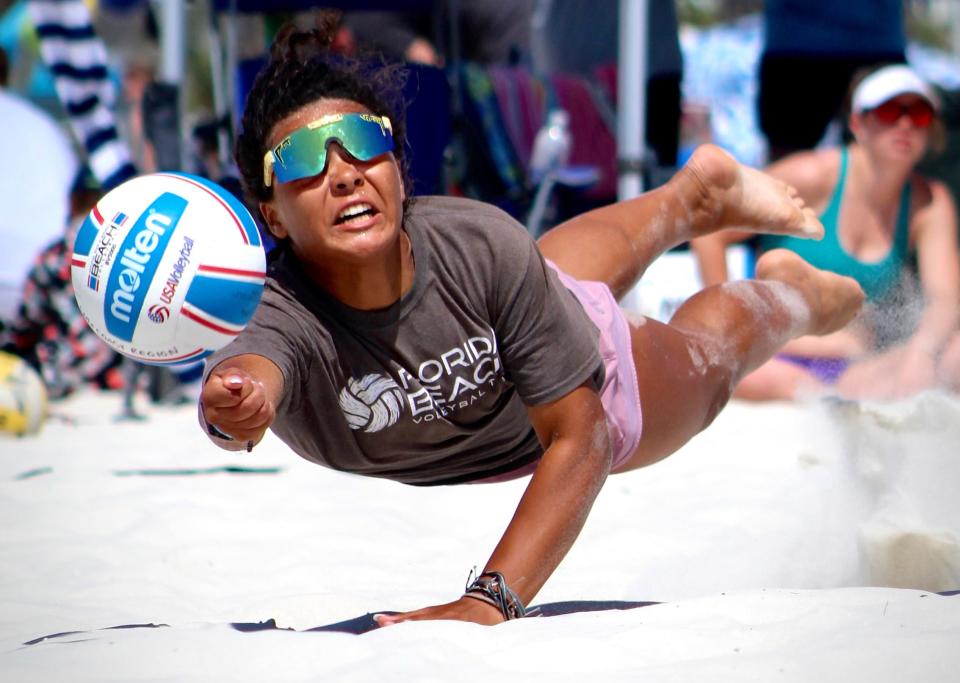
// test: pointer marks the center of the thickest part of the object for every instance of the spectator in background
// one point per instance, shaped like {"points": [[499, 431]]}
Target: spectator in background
{"points": [[207, 162], [816, 46], [879, 213], [129, 32], [48, 330], [490, 32]]}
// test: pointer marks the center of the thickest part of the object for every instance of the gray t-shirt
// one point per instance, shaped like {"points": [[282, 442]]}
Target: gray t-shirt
{"points": [[431, 390]]}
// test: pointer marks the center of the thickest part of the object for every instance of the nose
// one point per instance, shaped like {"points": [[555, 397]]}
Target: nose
{"points": [[904, 120], [342, 171]]}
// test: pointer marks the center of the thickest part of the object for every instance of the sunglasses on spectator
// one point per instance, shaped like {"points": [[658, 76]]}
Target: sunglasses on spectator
{"points": [[919, 112], [303, 153]]}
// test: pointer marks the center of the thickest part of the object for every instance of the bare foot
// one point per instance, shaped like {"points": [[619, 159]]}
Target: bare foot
{"points": [[727, 194], [833, 299]]}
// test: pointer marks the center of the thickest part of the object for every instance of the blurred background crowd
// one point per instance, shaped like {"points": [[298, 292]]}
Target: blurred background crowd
{"points": [[516, 103]]}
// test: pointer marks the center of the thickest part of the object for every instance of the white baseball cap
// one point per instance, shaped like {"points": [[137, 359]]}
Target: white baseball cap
{"points": [[889, 82]]}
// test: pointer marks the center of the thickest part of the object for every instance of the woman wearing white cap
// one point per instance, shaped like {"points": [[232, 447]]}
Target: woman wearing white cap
{"points": [[879, 215]]}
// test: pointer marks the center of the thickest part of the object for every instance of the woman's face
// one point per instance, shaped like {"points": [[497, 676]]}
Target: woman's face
{"points": [[897, 130], [351, 213]]}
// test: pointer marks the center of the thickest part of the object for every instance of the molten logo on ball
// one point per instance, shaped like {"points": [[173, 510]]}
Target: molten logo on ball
{"points": [[158, 314], [150, 233]]}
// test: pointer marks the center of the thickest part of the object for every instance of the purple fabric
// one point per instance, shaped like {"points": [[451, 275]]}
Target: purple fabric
{"points": [[521, 97], [827, 370], [504, 81], [532, 97], [593, 143]]}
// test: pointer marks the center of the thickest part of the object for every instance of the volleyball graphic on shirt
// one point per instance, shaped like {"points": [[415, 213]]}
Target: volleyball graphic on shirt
{"points": [[168, 268], [371, 403]]}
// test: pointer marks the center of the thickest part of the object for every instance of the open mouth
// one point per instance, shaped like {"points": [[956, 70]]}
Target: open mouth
{"points": [[356, 213]]}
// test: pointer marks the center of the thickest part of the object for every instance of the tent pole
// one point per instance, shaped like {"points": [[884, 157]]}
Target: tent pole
{"points": [[631, 98], [173, 51], [221, 103], [172, 41]]}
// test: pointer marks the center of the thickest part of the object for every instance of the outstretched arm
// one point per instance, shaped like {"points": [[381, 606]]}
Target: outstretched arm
{"points": [[937, 258], [239, 400], [552, 510]]}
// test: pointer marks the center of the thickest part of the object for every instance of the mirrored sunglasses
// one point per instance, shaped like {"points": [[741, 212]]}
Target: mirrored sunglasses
{"points": [[303, 153], [919, 112]]}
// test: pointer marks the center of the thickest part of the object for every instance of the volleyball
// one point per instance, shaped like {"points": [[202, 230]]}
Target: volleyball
{"points": [[23, 397], [168, 267]]}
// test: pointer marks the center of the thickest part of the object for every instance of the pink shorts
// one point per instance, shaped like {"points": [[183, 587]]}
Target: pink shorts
{"points": [[620, 394]]}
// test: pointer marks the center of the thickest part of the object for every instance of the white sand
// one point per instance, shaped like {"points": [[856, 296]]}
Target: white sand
{"points": [[790, 543]]}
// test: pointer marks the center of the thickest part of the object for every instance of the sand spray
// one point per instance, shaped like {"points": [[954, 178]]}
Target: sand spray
{"points": [[903, 459]]}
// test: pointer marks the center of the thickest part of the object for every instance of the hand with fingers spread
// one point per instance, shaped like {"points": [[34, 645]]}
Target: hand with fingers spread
{"points": [[464, 609]]}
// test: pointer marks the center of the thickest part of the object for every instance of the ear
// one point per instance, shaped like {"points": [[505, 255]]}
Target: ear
{"points": [[856, 124], [272, 219]]}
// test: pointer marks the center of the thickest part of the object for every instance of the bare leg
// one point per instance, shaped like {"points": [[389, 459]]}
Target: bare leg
{"points": [[687, 369], [616, 243]]}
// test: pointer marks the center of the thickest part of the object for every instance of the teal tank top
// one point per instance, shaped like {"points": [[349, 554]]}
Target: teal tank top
{"points": [[877, 278]]}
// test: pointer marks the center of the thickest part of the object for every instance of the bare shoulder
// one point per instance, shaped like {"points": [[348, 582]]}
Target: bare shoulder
{"points": [[941, 194], [933, 210], [931, 196], [932, 201], [814, 174]]}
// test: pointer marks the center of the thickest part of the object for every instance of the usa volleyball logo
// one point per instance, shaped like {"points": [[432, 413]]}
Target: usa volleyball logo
{"points": [[175, 274], [158, 314]]}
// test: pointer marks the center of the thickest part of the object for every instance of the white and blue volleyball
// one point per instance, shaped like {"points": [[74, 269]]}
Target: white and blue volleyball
{"points": [[168, 268]]}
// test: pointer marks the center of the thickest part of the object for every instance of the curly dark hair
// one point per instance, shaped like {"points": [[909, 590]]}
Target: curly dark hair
{"points": [[302, 70]]}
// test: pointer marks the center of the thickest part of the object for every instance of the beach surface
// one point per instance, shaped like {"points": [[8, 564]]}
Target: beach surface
{"points": [[817, 541]]}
